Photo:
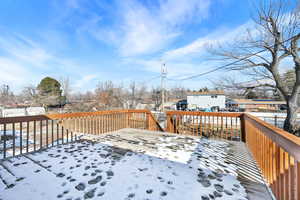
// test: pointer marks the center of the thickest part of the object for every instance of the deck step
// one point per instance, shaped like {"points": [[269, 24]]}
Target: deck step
{"points": [[7, 178], [18, 165]]}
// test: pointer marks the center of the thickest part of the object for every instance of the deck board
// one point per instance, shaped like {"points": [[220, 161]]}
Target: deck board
{"points": [[248, 173], [134, 164]]}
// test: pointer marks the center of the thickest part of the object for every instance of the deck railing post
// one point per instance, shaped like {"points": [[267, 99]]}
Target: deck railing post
{"points": [[127, 119], [170, 126], [148, 122], [243, 128]]}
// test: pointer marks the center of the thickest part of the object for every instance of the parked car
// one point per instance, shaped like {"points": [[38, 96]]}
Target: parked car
{"points": [[181, 105]]}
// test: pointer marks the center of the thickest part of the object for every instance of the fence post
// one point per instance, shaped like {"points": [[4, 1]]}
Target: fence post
{"points": [[170, 126], [276, 120], [148, 121], [127, 119], [243, 128]]}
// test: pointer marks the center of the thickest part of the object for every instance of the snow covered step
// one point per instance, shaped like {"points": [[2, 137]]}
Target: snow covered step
{"points": [[6, 177], [2, 186], [19, 165], [31, 180]]}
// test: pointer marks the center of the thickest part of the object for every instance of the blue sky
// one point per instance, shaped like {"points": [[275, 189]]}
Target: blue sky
{"points": [[118, 40]]}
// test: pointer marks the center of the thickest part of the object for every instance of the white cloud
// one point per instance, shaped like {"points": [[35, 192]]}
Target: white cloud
{"points": [[136, 29], [24, 49], [25, 61], [12, 72], [79, 84], [200, 45], [173, 68], [191, 59], [177, 12], [147, 30]]}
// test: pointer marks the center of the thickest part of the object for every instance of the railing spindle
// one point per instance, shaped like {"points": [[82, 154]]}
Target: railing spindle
{"points": [[41, 134], [27, 136], [21, 137], [14, 139], [34, 135], [52, 133], [4, 140], [47, 132]]}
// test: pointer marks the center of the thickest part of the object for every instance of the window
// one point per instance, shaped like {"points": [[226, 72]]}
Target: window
{"points": [[214, 96]]}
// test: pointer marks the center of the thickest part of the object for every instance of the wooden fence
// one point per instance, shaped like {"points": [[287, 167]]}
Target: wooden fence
{"points": [[20, 135], [276, 152]]}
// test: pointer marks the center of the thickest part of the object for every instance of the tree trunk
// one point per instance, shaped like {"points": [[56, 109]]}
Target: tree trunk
{"points": [[290, 124]]}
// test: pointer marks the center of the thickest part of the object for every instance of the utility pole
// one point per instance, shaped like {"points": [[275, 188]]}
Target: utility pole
{"points": [[163, 78]]}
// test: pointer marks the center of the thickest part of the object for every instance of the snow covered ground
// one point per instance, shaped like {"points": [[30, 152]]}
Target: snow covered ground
{"points": [[270, 117], [124, 165]]}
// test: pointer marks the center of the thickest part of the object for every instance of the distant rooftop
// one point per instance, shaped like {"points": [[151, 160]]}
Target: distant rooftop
{"points": [[212, 92], [255, 101]]}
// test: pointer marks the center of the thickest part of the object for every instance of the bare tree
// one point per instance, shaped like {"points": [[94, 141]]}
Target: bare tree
{"points": [[65, 86], [110, 96], [136, 94], [132, 93], [246, 89], [177, 92], [28, 94], [260, 54], [6, 95], [156, 97]]}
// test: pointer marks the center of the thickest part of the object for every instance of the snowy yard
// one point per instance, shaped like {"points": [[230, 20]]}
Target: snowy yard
{"points": [[128, 164]]}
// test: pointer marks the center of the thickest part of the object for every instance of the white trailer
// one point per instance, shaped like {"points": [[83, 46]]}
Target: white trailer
{"points": [[202, 100]]}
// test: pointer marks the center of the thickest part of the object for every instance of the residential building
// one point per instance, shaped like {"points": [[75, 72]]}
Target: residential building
{"points": [[25, 111], [205, 100]]}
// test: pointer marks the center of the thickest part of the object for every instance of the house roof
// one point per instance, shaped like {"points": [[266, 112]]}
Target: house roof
{"points": [[255, 101], [212, 92]]}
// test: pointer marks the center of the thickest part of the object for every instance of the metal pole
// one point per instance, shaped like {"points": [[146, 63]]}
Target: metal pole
{"points": [[163, 76]]}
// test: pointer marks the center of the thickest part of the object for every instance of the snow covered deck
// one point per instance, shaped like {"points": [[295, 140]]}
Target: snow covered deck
{"points": [[134, 164]]}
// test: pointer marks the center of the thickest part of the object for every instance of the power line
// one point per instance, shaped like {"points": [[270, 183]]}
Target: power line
{"points": [[232, 63], [151, 79]]}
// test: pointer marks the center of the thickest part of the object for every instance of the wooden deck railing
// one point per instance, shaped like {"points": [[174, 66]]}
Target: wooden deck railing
{"points": [[107, 121], [20, 135], [276, 152], [208, 124]]}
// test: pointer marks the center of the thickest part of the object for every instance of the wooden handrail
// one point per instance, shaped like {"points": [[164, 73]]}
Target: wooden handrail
{"points": [[277, 153], [85, 114], [198, 113], [7, 120], [289, 142]]}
